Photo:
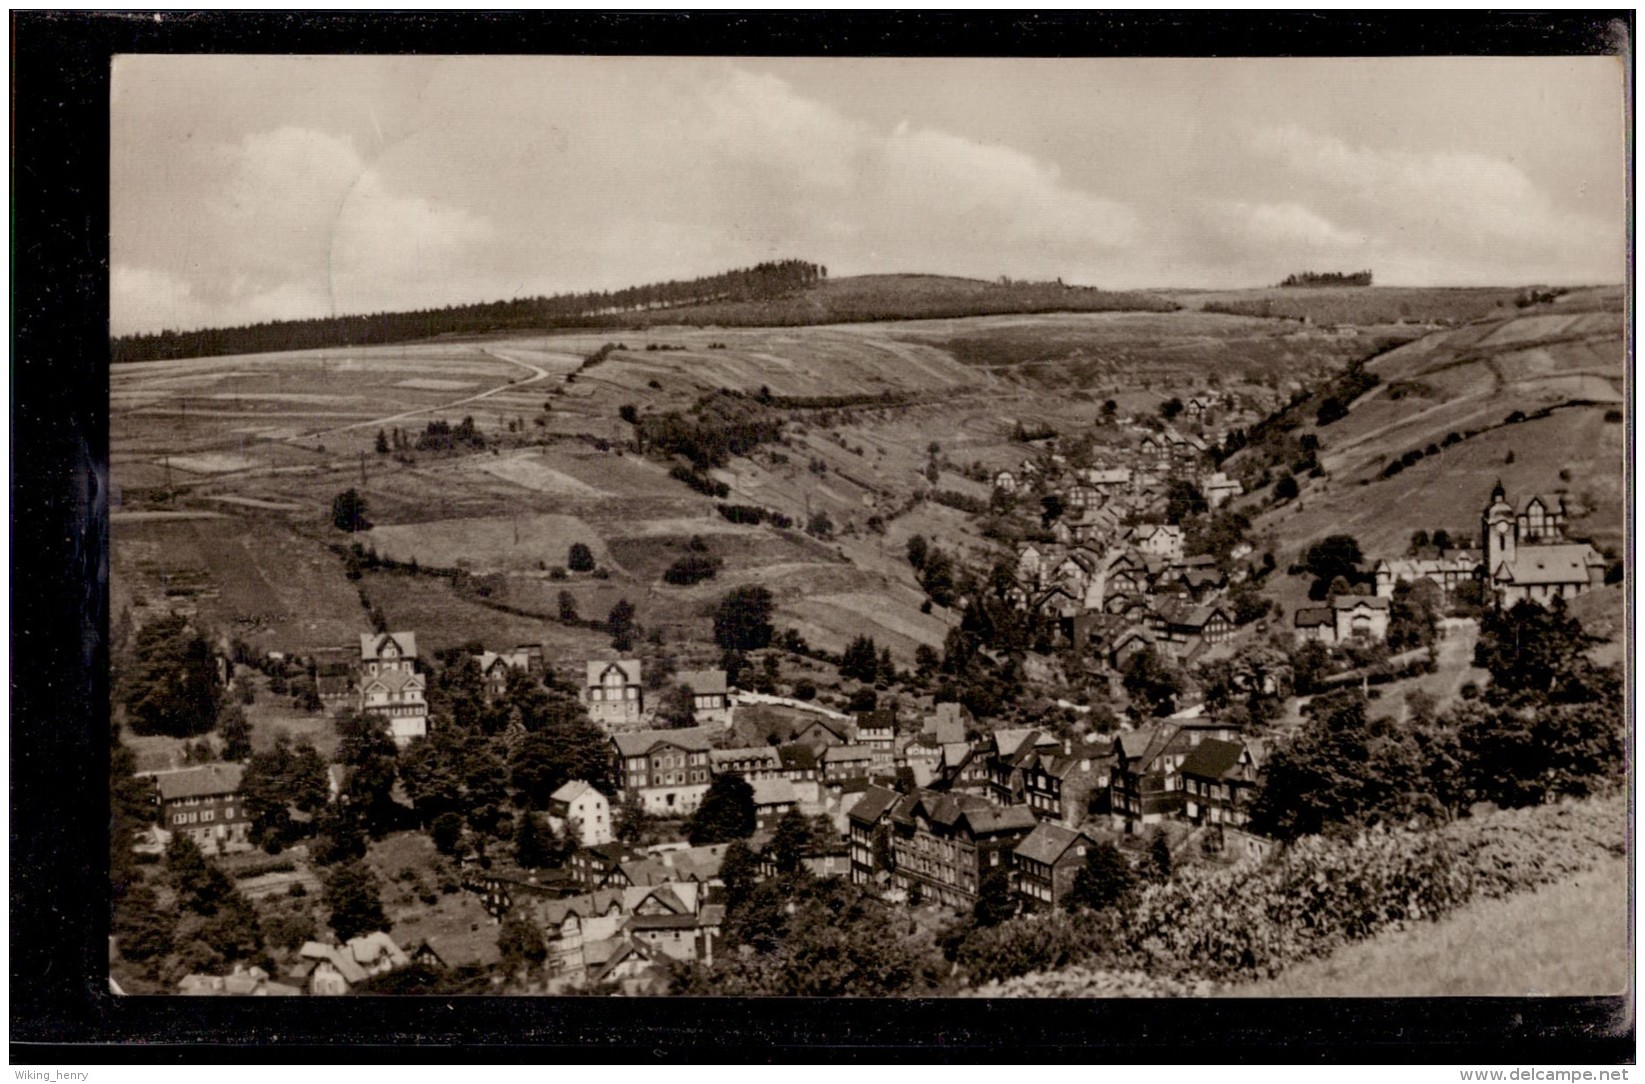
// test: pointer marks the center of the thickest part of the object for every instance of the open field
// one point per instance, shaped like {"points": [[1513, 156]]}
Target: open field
{"points": [[1562, 940], [261, 443], [1362, 306]]}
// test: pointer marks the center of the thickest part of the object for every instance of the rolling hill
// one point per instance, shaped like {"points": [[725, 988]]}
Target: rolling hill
{"points": [[1535, 398]]}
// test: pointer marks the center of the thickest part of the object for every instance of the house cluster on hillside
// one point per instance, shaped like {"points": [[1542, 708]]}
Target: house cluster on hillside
{"points": [[1129, 590]]}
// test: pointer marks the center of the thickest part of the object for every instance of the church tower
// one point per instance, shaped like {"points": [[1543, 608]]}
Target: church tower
{"points": [[1499, 531]]}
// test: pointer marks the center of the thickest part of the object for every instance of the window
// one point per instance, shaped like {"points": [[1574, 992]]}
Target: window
{"points": [[180, 818], [208, 815]]}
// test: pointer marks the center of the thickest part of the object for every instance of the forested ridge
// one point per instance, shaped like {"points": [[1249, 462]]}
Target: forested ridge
{"points": [[760, 282]]}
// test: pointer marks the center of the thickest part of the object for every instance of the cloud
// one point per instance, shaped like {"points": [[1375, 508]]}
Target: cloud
{"points": [[1443, 208], [392, 251], [801, 175]]}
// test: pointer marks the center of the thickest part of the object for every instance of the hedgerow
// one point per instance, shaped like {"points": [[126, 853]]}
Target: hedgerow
{"points": [[1230, 924]]}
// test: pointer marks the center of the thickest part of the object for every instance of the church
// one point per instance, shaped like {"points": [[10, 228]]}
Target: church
{"points": [[1527, 555]]}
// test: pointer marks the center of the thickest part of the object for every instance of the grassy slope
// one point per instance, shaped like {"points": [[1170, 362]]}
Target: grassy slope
{"points": [[1561, 940], [971, 376], [897, 297], [1473, 377]]}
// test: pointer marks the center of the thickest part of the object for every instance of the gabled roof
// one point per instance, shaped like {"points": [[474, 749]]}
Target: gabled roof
{"points": [[1048, 842], [703, 682], [1134, 743], [873, 805], [1567, 563], [692, 739], [1310, 616], [836, 727], [372, 643], [369, 948], [836, 754], [1180, 613], [1552, 502], [1213, 758], [587, 905], [392, 681], [342, 960], [570, 792], [1007, 740], [207, 780], [630, 669], [995, 818], [797, 756], [1354, 602], [515, 660]]}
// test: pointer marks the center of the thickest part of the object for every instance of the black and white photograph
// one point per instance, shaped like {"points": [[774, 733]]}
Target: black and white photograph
{"points": [[892, 527]]}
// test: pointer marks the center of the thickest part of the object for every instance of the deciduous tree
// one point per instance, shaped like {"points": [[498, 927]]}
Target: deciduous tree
{"points": [[726, 812], [354, 901]]}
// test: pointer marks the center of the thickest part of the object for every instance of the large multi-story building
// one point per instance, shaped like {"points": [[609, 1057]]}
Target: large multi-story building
{"points": [[1527, 556], [390, 685], [1145, 785], [204, 804], [945, 844], [668, 769]]}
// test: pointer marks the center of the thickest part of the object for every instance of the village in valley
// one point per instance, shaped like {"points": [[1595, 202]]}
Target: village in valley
{"points": [[1120, 673], [862, 526]]}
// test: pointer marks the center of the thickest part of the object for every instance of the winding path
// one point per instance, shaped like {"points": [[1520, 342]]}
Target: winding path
{"points": [[538, 373]]}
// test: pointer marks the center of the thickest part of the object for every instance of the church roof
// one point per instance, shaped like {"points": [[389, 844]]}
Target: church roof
{"points": [[1537, 565]]}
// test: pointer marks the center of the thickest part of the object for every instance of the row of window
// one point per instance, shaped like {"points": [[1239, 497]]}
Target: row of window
{"points": [[202, 817], [627, 692]]}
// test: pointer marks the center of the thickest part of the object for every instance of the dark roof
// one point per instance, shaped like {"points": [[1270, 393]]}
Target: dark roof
{"points": [[999, 819], [1309, 616], [1047, 842], [640, 742], [879, 719], [873, 805], [797, 757], [1349, 602], [663, 922], [1213, 758]]}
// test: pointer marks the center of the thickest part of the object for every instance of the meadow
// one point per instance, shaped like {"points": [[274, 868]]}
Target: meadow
{"points": [[251, 450]]}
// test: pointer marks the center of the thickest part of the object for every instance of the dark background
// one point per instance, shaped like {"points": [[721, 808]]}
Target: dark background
{"points": [[60, 1008]]}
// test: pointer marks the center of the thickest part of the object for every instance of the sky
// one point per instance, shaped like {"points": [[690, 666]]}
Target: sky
{"points": [[246, 189]]}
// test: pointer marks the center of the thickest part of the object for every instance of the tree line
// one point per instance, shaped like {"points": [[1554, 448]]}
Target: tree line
{"points": [[761, 282]]}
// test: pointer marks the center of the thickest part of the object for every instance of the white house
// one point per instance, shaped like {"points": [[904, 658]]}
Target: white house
{"points": [[580, 809], [390, 685], [613, 693]]}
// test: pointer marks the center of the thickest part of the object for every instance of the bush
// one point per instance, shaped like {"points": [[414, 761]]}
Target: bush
{"points": [[580, 558], [691, 568], [1036, 943], [1318, 895], [257, 869], [703, 484]]}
